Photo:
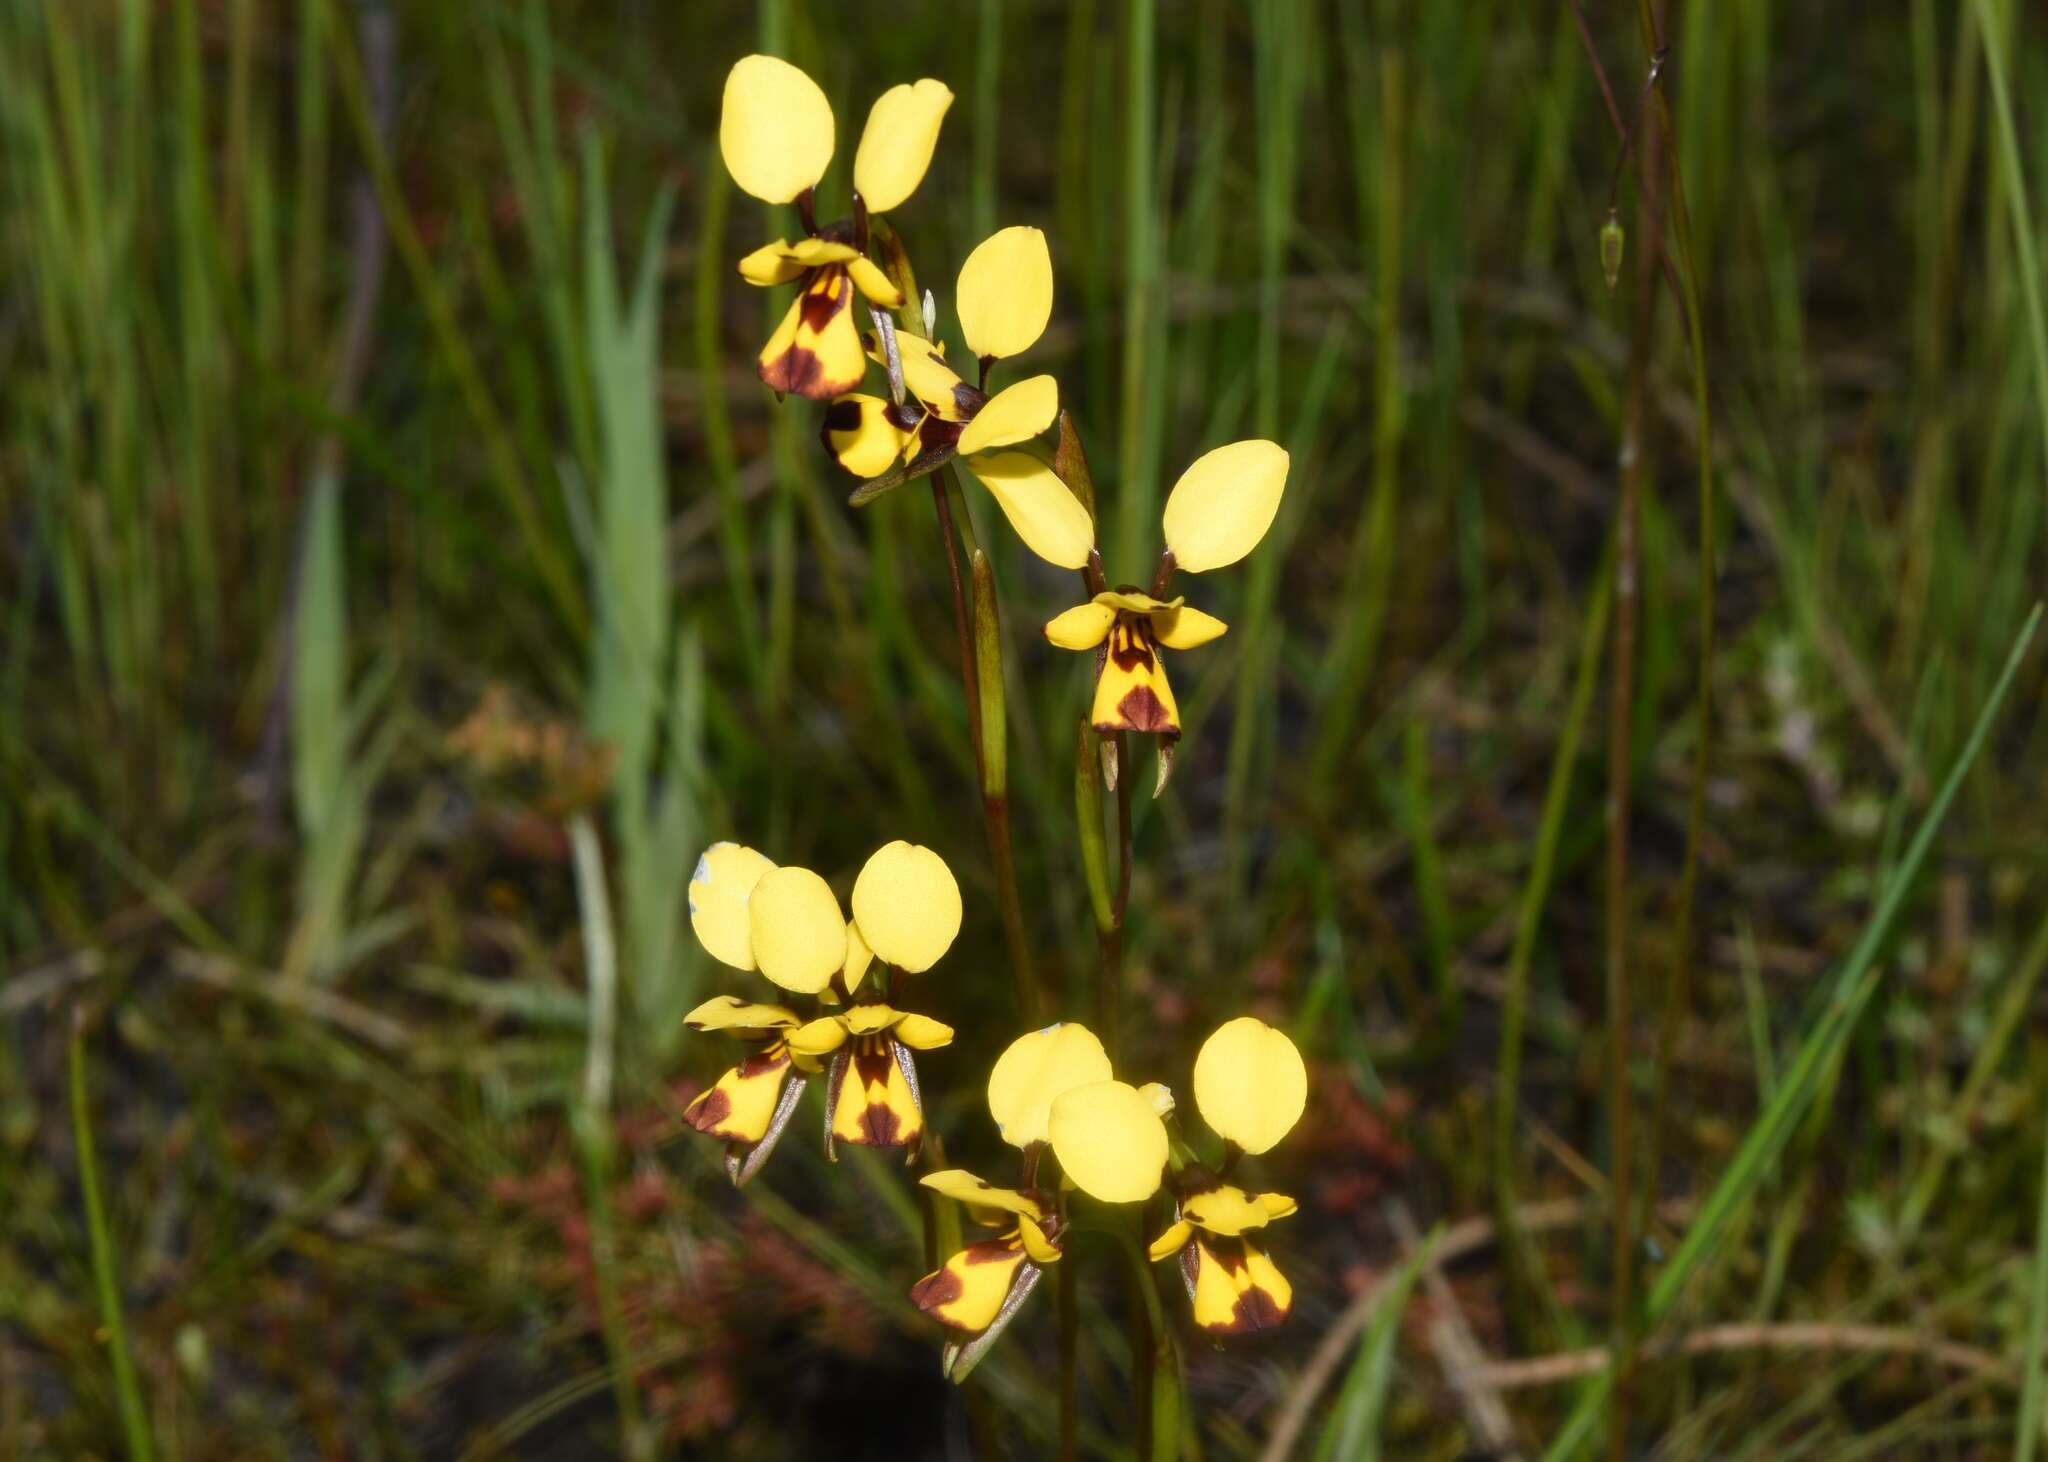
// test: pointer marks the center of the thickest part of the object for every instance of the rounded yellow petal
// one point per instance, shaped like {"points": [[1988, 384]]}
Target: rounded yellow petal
{"points": [[896, 147], [963, 1187], [858, 958], [1014, 414], [868, 277], [1184, 629], [1043, 510], [1223, 504], [1250, 1083], [1172, 1241], [1037, 1247], [1081, 628], [818, 1037], [730, 1013], [922, 1033], [775, 129], [907, 905], [799, 933], [1109, 1141], [858, 432], [1225, 1210], [771, 264], [725, 876], [1037, 1069], [1137, 602], [1005, 292]]}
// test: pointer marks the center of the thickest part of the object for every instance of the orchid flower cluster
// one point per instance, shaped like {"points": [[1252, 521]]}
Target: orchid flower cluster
{"points": [[1080, 1132]]}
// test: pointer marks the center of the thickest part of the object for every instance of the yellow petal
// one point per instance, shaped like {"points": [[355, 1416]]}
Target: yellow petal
{"points": [[858, 958], [963, 1187], [819, 1037], [1082, 627], [875, 1106], [1277, 1205], [771, 264], [730, 1013], [896, 147], [1172, 1241], [1132, 693], [1223, 504], [799, 933], [815, 351], [922, 1033], [1160, 1095], [775, 129], [1225, 1210], [865, 1020], [1005, 293], [1183, 629], [1136, 603], [859, 433], [1045, 513], [1034, 1071], [972, 1286], [740, 1106], [1014, 414], [725, 875], [1237, 1290], [1250, 1083], [1109, 1141], [816, 253], [907, 905], [872, 282], [931, 380], [1037, 1247]]}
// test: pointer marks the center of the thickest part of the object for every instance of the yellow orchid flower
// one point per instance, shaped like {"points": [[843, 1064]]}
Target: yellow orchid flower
{"points": [[980, 1289], [776, 134], [1216, 514], [1251, 1087], [786, 923], [1234, 1287], [1004, 299], [871, 1096]]}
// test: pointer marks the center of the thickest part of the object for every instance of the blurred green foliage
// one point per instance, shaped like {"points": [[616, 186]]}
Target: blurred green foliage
{"points": [[384, 484]]}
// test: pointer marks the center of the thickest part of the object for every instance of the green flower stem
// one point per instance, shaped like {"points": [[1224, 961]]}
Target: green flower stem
{"points": [[981, 679], [1155, 1360], [127, 1390]]}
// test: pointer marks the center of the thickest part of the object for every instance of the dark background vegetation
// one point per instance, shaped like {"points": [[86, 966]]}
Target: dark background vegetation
{"points": [[304, 534]]}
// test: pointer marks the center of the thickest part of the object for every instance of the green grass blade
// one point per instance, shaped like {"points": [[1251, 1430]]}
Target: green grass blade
{"points": [[1849, 993]]}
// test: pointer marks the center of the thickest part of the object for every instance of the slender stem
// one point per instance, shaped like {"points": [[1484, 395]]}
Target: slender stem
{"points": [[1621, 708], [981, 680], [960, 624], [134, 1416], [1110, 979], [1678, 985]]}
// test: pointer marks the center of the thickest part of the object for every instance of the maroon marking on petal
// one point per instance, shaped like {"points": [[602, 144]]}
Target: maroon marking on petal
{"points": [[843, 415], [967, 401], [1131, 644], [709, 1110], [1142, 710], [995, 1251], [879, 1126], [795, 372], [827, 291], [937, 1290], [763, 1062], [1255, 1311]]}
